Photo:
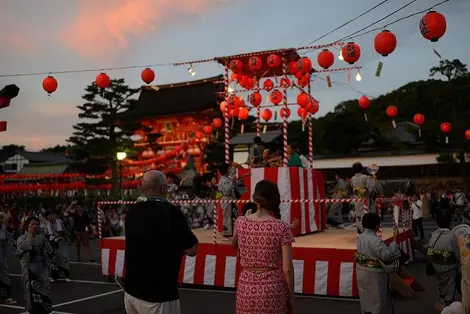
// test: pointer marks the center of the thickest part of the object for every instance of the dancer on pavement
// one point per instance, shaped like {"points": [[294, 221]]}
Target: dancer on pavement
{"points": [[33, 250], [154, 225], [266, 283]]}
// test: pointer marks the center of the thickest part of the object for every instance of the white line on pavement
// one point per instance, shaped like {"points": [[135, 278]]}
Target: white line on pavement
{"points": [[87, 298], [78, 281], [16, 307]]}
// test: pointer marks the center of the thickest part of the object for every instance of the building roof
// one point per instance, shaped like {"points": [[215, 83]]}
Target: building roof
{"points": [[247, 138], [171, 99], [38, 157], [44, 168]]}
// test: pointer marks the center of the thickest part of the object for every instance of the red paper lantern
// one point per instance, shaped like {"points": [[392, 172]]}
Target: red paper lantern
{"points": [[103, 80], [3, 126], [313, 107], [249, 83], [304, 80], [293, 67], [207, 129], [233, 100], [467, 134], [236, 66], [446, 127], [325, 58], [274, 61], [49, 84], [255, 99], [385, 43], [233, 77], [199, 135], [266, 115], [364, 102], [302, 112], [304, 65], [275, 97], [351, 52], [418, 119], [217, 123], [223, 106], [255, 63], [303, 99], [268, 85], [243, 113], [178, 148], [147, 75], [285, 82], [284, 112], [433, 26], [392, 111], [233, 112]]}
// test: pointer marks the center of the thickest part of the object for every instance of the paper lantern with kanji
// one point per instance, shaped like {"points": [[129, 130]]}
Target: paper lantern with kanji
{"points": [[302, 113], [255, 99], [433, 26], [325, 59], [385, 43], [467, 134], [268, 85], [243, 113], [351, 52], [103, 80], [392, 112], [284, 113], [49, 84], [303, 99], [255, 63], [276, 97], [147, 75], [304, 65], [217, 123], [266, 115], [236, 66], [274, 61]]}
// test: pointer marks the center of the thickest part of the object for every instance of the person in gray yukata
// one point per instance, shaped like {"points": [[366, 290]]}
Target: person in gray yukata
{"points": [[359, 189], [442, 255], [335, 213], [372, 279], [34, 250]]}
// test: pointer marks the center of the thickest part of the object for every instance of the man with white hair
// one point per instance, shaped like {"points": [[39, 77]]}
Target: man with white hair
{"points": [[157, 236]]}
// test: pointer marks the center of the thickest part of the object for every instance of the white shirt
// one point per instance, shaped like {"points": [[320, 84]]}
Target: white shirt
{"points": [[304, 161], [454, 308], [417, 208]]}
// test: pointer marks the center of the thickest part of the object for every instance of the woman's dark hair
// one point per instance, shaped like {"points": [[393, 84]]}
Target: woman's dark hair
{"points": [[357, 167], [257, 140], [444, 219], [248, 206], [223, 169], [28, 221], [267, 196], [371, 221]]}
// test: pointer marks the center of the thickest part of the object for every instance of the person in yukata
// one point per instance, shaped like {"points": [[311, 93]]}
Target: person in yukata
{"points": [[59, 238], [6, 242], [461, 241], [374, 189], [372, 279], [227, 186], [341, 190], [256, 152], [442, 256], [33, 250], [359, 189], [294, 158]]}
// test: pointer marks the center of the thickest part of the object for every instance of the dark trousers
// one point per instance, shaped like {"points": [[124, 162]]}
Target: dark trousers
{"points": [[417, 226]]}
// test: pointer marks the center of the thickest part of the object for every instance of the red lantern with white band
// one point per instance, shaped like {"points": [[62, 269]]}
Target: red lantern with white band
{"points": [[418, 119], [364, 104], [392, 112], [446, 127]]}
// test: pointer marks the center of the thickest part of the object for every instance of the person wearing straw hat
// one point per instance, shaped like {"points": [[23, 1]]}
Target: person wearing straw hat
{"points": [[157, 237]]}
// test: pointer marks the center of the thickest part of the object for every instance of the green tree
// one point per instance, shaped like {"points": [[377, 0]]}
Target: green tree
{"points": [[96, 133], [58, 149], [13, 148]]}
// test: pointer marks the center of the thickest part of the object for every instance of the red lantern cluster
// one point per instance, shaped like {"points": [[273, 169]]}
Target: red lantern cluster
{"points": [[385, 43], [433, 26]]}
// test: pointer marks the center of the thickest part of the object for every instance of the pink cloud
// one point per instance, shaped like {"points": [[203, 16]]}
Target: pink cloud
{"points": [[100, 29]]}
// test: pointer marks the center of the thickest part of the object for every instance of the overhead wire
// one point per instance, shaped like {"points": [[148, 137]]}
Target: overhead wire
{"points": [[348, 22]]}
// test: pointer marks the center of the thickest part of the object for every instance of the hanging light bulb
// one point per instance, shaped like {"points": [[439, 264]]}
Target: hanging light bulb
{"points": [[341, 55], [191, 70], [358, 77]]}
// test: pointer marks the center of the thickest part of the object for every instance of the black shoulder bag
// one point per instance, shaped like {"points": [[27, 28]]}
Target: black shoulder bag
{"points": [[430, 271]]}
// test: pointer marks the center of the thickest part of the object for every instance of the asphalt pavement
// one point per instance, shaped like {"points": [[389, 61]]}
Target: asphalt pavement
{"points": [[91, 293]]}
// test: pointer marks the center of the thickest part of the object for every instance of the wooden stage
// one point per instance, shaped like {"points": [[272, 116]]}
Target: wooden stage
{"points": [[323, 261]]}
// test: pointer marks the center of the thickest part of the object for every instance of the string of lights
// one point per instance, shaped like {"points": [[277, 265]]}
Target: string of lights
{"points": [[379, 20], [345, 85], [348, 22], [397, 21]]}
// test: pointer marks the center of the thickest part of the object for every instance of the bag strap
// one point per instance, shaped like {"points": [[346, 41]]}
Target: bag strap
{"points": [[432, 246]]}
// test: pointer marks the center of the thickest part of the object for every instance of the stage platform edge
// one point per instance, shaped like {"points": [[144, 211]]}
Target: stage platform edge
{"points": [[323, 262]]}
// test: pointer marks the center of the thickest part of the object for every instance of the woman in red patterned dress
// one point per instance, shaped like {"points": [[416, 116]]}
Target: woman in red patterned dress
{"points": [[266, 282]]}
